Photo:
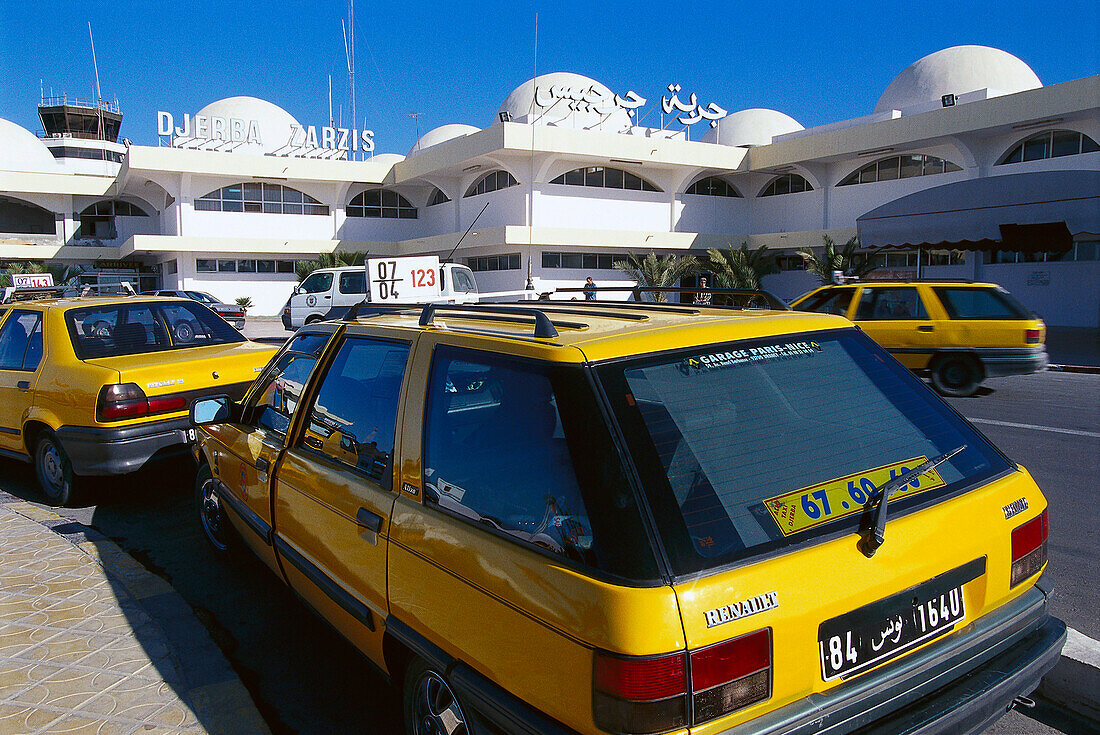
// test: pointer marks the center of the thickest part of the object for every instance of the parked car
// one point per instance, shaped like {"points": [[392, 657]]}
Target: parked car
{"points": [[97, 386], [958, 333], [637, 518], [232, 313]]}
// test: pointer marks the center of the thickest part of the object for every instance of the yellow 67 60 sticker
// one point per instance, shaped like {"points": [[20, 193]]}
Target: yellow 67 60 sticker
{"points": [[827, 501]]}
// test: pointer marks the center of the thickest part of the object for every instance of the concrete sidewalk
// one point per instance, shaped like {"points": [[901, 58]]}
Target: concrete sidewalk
{"points": [[91, 641], [1077, 347]]}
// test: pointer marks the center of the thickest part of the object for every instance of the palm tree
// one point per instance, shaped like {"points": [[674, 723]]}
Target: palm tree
{"points": [[19, 269], [740, 268], [845, 259], [329, 260], [657, 271]]}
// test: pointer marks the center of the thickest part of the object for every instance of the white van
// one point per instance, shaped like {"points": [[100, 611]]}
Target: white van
{"points": [[335, 288]]}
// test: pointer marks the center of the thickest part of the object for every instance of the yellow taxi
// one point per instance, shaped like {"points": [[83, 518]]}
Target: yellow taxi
{"points": [[98, 385], [608, 517], [957, 332]]}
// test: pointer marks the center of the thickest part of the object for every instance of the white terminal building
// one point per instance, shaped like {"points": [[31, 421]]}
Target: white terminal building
{"points": [[967, 163]]}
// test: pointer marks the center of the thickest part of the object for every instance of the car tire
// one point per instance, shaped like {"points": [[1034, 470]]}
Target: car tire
{"points": [[431, 705], [215, 525], [314, 319], [184, 332], [957, 376], [54, 470]]}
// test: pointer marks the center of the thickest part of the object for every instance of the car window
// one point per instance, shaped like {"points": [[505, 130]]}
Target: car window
{"points": [[353, 282], [464, 283], [520, 451], [756, 445], [979, 303], [21, 341], [891, 303], [352, 418], [132, 328], [274, 398], [831, 301], [317, 283], [202, 297]]}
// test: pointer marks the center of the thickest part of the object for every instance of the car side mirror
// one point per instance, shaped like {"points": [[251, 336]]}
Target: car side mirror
{"points": [[211, 410]]}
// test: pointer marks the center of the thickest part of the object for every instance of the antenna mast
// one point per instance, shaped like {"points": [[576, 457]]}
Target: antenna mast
{"points": [[98, 95], [351, 57]]}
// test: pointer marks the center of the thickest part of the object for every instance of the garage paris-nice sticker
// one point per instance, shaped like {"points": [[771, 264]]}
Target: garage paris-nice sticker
{"points": [[748, 356]]}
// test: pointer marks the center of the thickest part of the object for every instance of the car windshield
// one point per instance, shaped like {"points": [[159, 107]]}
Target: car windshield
{"points": [[751, 446], [203, 297], [136, 327]]}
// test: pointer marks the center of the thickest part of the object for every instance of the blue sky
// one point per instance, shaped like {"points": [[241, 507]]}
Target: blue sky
{"points": [[456, 62]]}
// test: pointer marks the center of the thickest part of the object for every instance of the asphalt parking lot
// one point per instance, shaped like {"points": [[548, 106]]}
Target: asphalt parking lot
{"points": [[306, 679]]}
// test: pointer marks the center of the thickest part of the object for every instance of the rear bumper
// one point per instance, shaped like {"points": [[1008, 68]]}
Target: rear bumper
{"points": [[958, 685], [1022, 361], [100, 451]]}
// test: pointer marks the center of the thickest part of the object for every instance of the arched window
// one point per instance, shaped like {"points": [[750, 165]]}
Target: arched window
{"points": [[1050, 144], [713, 186], [97, 222], [607, 178], [491, 182], [255, 196], [899, 167], [785, 184], [438, 197], [381, 203], [24, 218]]}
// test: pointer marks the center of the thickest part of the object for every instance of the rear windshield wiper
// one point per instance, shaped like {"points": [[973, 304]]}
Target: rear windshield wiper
{"points": [[877, 532]]}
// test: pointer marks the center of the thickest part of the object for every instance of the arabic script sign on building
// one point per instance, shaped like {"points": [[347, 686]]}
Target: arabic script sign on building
{"points": [[595, 101]]}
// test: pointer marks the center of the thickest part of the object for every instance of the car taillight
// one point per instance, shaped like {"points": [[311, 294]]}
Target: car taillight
{"points": [[640, 695], [651, 695], [1033, 336], [127, 400], [120, 401], [731, 675], [1029, 548]]}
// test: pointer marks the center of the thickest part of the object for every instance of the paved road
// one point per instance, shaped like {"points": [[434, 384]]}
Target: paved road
{"points": [[306, 679]]}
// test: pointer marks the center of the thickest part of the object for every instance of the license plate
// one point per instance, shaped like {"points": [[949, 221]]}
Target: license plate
{"points": [[864, 638], [191, 436]]}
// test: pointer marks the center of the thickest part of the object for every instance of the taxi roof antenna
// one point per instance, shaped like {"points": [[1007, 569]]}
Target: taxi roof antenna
{"points": [[464, 234]]}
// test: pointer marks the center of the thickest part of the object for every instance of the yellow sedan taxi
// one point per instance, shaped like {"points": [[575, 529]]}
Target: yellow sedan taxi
{"points": [[957, 332], [609, 517], [97, 386]]}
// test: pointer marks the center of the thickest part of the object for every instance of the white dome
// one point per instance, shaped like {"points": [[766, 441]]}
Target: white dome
{"points": [[957, 70], [442, 134], [273, 123], [566, 100], [756, 126], [20, 150]]}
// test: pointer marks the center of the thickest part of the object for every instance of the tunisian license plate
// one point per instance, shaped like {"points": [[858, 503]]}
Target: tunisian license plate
{"points": [[863, 638]]}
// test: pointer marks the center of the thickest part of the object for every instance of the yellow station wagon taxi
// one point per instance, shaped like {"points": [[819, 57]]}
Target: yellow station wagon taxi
{"points": [[638, 518], [98, 385], [957, 332]]}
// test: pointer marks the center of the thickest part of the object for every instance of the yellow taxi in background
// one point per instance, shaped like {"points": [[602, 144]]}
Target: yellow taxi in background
{"points": [[959, 333], [98, 385], [602, 517]]}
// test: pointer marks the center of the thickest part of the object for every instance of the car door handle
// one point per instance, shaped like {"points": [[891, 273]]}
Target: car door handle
{"points": [[263, 464], [23, 385], [368, 520], [925, 328]]}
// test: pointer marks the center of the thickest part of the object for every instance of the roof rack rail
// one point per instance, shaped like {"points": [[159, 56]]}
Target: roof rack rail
{"points": [[27, 293], [543, 326], [588, 308], [770, 300], [372, 309]]}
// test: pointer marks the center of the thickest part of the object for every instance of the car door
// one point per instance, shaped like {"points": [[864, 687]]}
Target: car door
{"points": [[250, 448], [334, 487], [896, 317], [21, 352]]}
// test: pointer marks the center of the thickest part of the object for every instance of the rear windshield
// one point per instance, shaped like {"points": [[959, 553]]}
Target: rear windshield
{"points": [[136, 327], [751, 446], [980, 303]]}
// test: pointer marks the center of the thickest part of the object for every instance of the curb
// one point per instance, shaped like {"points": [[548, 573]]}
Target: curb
{"points": [[212, 688], [1075, 682], [1089, 369]]}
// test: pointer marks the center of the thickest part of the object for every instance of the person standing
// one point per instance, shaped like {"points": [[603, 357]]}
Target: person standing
{"points": [[589, 289], [702, 297]]}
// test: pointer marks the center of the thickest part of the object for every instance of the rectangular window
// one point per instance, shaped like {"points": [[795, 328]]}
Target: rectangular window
{"points": [[265, 266], [206, 265], [551, 260], [888, 169], [227, 266], [1065, 143], [911, 166], [1036, 149], [246, 266], [208, 205], [890, 303], [571, 260], [284, 266]]}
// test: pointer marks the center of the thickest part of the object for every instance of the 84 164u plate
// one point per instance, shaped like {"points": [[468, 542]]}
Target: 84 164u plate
{"points": [[865, 637]]}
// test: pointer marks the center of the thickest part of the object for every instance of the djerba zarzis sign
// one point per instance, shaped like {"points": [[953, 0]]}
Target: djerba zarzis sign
{"points": [[239, 130]]}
